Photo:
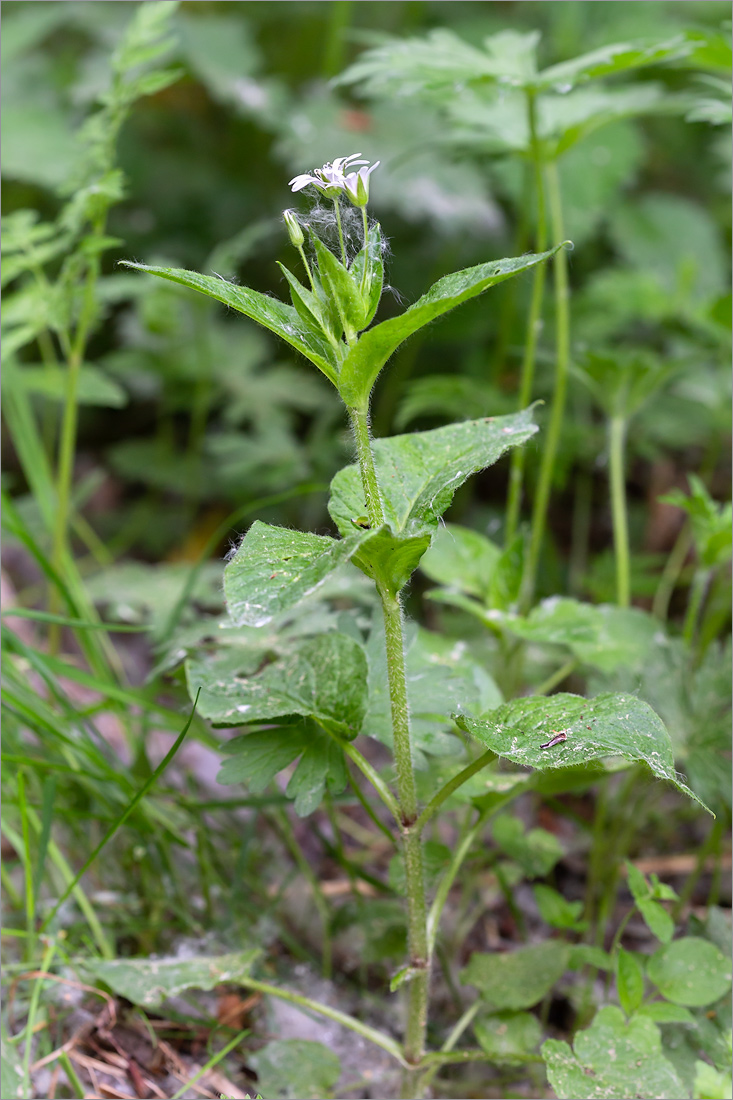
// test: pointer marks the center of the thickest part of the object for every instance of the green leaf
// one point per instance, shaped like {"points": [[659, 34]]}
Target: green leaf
{"points": [[295, 1069], [94, 387], [629, 981], [274, 568], [518, 979], [662, 1012], [419, 473], [366, 359], [638, 885], [606, 726], [710, 1083], [258, 757], [324, 679], [602, 636], [536, 851], [584, 954], [690, 971], [341, 288], [13, 1079], [608, 60], [461, 558], [556, 911], [371, 256], [268, 312], [149, 982], [657, 919], [637, 1068], [508, 1035]]}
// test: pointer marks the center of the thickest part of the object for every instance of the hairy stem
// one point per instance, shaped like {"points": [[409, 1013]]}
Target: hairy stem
{"points": [[360, 424], [562, 364], [534, 324], [617, 433]]}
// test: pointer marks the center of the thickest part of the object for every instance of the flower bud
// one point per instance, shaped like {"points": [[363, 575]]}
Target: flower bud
{"points": [[293, 227]]}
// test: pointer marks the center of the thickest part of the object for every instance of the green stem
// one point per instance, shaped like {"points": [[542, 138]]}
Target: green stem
{"points": [[556, 677], [377, 1037], [700, 583], [617, 434], [452, 785], [360, 424], [306, 265], [671, 572], [465, 1021], [534, 324], [441, 895], [374, 778], [341, 232], [417, 936], [562, 365], [67, 440]]}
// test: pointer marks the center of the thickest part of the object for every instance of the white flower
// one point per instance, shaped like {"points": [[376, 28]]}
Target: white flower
{"points": [[356, 185], [332, 181]]}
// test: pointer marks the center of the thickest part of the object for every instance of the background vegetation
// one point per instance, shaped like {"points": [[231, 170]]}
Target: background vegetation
{"points": [[145, 428]]}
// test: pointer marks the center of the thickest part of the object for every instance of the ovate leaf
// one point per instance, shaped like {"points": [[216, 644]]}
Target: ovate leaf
{"points": [[608, 725], [629, 981], [273, 568], [518, 979], [691, 972], [366, 359], [268, 312], [149, 982], [508, 1035], [295, 1068], [324, 679], [637, 1067]]}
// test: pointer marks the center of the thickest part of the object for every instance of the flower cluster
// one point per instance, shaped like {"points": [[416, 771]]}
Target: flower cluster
{"points": [[336, 179]]}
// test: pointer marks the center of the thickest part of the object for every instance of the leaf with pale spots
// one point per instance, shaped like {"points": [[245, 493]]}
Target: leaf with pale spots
{"points": [[418, 475], [324, 679], [612, 1060], [149, 982], [591, 730], [274, 568]]}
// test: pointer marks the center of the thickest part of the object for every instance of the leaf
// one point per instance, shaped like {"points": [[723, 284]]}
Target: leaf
{"points": [[94, 387], [324, 679], [608, 725], [536, 851], [662, 1012], [13, 1079], [629, 981], [690, 971], [710, 1083], [461, 558], [374, 347], [637, 1068], [584, 954], [419, 473], [268, 312], [508, 1035], [608, 60], [602, 636], [556, 911], [149, 982], [256, 758], [657, 919], [295, 1069], [520, 978], [274, 568]]}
